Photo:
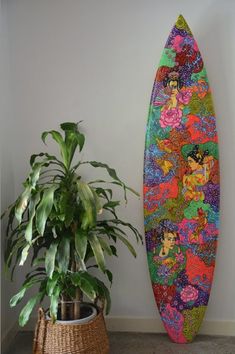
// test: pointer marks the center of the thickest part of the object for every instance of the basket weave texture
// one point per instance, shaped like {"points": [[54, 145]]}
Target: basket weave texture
{"points": [[88, 338]]}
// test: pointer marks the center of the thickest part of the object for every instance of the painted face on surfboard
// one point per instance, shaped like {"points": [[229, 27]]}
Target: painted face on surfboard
{"points": [[169, 241], [194, 165]]}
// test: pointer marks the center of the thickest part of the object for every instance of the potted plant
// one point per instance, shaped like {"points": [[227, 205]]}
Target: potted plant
{"points": [[67, 226]]}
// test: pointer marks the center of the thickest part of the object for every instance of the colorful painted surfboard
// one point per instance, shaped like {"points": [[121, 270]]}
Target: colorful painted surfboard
{"points": [[181, 186]]}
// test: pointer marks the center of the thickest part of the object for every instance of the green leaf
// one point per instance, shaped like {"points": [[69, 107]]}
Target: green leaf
{"points": [[50, 259], [114, 250], [132, 228], [97, 250], [32, 205], [111, 204], [38, 261], [109, 275], [19, 296], [105, 246], [28, 308], [88, 289], [81, 243], [24, 254], [63, 254], [51, 283], [86, 283], [128, 244], [44, 208], [54, 303], [104, 293], [69, 126], [22, 203], [111, 171], [35, 173], [59, 139], [89, 204]]}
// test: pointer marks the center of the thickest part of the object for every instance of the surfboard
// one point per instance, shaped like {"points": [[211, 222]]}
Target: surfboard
{"points": [[181, 186]]}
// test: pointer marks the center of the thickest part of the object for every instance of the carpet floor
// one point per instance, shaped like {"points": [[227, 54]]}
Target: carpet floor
{"points": [[143, 343]]}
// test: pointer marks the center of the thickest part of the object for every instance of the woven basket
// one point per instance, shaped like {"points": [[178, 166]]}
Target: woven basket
{"points": [[87, 338]]}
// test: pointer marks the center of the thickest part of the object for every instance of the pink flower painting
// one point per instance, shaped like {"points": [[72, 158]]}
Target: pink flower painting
{"points": [[171, 117], [189, 293]]}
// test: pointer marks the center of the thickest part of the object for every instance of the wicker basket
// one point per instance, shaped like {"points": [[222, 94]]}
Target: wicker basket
{"points": [[88, 338]]}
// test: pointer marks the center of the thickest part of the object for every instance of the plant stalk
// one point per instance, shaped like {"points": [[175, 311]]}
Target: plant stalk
{"points": [[63, 309], [78, 296]]}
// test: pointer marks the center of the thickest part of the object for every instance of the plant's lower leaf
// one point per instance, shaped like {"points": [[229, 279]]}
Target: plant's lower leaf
{"points": [[105, 246], [28, 308], [97, 250], [54, 303], [50, 258], [109, 275], [22, 203], [63, 254], [51, 283], [19, 296], [24, 254], [104, 293], [32, 205], [88, 200], [81, 243], [44, 208]]}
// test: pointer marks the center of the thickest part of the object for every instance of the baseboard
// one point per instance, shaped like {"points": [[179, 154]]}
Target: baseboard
{"points": [[7, 339], [154, 325]]}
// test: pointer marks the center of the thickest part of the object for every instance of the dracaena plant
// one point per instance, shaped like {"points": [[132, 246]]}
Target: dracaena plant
{"points": [[64, 223]]}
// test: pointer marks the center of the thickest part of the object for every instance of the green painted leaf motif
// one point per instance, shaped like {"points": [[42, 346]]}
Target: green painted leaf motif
{"points": [[28, 308], [44, 208], [81, 243], [63, 254], [97, 250], [32, 206], [50, 259]]}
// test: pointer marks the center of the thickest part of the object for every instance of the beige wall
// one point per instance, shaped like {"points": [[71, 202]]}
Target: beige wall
{"points": [[95, 61]]}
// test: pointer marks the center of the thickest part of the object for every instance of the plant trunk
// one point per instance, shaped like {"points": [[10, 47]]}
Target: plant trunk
{"points": [[63, 309], [77, 307], [78, 297]]}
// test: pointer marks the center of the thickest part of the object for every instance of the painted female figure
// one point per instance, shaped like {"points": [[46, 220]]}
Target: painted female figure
{"points": [[170, 256], [200, 165], [178, 97]]}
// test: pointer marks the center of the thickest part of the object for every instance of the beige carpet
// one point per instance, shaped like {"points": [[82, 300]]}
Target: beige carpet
{"points": [[139, 343]]}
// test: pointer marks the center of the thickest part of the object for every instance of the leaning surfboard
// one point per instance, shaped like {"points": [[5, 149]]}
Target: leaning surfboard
{"points": [[181, 186]]}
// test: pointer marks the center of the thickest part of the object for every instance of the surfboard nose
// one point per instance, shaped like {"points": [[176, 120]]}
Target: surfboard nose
{"points": [[182, 24]]}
